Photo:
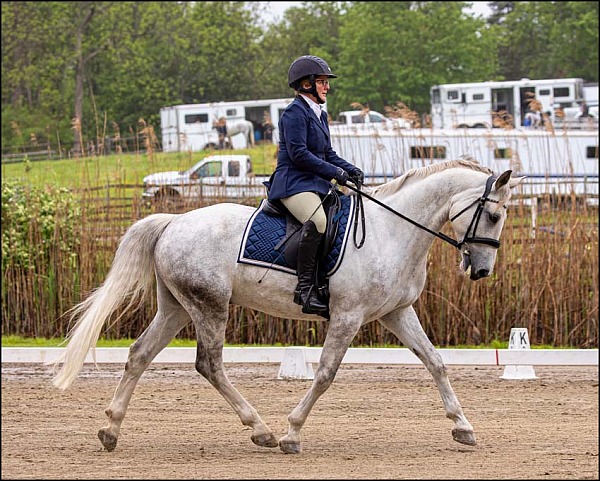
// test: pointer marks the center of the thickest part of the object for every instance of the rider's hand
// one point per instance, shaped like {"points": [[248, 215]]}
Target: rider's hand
{"points": [[357, 176], [341, 176]]}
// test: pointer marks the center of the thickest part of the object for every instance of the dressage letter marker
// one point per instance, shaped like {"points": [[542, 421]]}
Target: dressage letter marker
{"points": [[294, 365], [519, 339]]}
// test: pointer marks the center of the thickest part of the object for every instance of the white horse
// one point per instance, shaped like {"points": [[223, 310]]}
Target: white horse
{"points": [[241, 127], [193, 257]]}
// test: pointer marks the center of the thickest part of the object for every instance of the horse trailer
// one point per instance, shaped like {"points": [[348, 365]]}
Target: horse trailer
{"points": [[560, 163], [192, 127], [478, 104]]}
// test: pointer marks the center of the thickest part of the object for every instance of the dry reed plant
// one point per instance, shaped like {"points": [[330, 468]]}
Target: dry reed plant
{"points": [[16, 130], [364, 109], [149, 138], [401, 111], [117, 138], [547, 283], [503, 120], [76, 126]]}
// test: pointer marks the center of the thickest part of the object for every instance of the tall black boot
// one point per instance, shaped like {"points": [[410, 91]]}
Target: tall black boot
{"points": [[306, 290]]}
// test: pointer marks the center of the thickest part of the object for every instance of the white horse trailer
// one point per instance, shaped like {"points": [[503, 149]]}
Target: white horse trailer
{"points": [[474, 104], [560, 163], [191, 127]]}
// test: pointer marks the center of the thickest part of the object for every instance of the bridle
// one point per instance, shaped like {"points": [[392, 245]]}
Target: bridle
{"points": [[467, 239], [473, 239]]}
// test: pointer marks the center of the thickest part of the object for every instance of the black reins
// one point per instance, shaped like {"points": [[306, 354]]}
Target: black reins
{"points": [[467, 239]]}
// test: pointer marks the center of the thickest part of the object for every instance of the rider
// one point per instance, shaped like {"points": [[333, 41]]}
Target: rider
{"points": [[306, 163]]}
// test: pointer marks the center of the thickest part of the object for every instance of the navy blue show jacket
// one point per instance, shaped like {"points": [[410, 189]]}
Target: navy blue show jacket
{"points": [[306, 162]]}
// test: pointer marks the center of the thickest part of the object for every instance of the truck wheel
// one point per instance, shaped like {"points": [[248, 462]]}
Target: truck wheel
{"points": [[167, 198]]}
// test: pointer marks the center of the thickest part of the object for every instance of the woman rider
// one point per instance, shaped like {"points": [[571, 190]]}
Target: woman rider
{"points": [[306, 163]]}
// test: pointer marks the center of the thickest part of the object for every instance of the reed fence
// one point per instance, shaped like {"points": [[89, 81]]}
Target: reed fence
{"points": [[545, 279]]}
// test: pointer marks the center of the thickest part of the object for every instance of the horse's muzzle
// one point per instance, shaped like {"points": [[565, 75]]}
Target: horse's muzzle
{"points": [[474, 274], [479, 274]]}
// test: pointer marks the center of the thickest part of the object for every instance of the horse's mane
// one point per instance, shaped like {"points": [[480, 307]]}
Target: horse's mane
{"points": [[394, 185]]}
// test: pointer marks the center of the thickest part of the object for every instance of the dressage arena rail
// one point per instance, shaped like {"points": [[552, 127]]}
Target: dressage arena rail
{"points": [[177, 355]]}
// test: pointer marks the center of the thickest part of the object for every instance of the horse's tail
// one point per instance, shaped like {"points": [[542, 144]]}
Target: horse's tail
{"points": [[131, 278]]}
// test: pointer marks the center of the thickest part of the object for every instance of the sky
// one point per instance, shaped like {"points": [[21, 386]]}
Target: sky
{"points": [[276, 9]]}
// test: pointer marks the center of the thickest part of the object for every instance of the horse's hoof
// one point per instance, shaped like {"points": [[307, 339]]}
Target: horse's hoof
{"points": [[464, 437], [266, 440], [289, 447], [107, 439]]}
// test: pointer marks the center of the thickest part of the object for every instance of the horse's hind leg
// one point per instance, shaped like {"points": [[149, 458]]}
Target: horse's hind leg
{"points": [[210, 328], [405, 324], [169, 320]]}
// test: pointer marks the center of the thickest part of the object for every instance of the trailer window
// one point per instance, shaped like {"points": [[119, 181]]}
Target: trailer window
{"points": [[435, 96], [561, 91], [479, 97], [231, 113], [453, 95], [544, 92], [196, 118], [591, 152], [503, 153], [428, 152]]}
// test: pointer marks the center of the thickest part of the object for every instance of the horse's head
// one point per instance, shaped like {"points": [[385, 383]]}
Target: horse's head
{"points": [[478, 223]]}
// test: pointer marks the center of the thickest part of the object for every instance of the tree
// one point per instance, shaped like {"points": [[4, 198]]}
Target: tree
{"points": [[396, 51], [33, 70], [311, 29], [549, 40]]}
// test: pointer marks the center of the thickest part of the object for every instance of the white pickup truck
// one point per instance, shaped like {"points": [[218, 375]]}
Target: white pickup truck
{"points": [[366, 119], [226, 176]]}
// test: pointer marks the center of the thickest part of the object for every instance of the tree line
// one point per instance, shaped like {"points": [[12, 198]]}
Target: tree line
{"points": [[78, 70]]}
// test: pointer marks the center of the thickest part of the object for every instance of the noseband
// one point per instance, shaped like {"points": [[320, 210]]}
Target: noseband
{"points": [[473, 239]]}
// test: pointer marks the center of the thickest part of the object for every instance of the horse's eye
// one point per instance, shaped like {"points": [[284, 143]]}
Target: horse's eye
{"points": [[494, 217]]}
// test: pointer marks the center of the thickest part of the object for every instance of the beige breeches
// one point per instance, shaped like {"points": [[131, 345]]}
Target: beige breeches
{"points": [[307, 206]]}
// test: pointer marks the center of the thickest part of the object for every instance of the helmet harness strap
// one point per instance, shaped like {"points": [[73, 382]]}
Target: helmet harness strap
{"points": [[312, 90]]}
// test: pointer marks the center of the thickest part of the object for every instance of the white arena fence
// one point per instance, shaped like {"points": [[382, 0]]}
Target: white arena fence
{"points": [[252, 354]]}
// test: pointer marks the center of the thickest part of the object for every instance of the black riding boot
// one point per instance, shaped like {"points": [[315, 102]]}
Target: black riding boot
{"points": [[306, 290]]}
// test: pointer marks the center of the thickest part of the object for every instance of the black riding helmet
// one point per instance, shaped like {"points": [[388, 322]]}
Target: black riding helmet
{"points": [[308, 66]]}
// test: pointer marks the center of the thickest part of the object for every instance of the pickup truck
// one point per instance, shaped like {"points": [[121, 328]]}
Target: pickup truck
{"points": [[370, 119], [226, 176]]}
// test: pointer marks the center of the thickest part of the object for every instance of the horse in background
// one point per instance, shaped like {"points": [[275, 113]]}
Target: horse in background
{"points": [[228, 129]]}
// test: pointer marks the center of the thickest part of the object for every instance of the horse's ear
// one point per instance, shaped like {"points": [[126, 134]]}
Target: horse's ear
{"points": [[506, 178], [502, 179], [514, 181]]}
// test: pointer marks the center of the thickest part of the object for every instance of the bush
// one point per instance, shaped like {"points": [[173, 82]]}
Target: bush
{"points": [[40, 238]]}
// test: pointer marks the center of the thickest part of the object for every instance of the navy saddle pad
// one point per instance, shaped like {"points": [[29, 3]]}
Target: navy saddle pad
{"points": [[263, 232]]}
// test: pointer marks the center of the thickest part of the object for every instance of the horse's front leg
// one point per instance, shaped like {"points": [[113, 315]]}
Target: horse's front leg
{"points": [[405, 324], [339, 336]]}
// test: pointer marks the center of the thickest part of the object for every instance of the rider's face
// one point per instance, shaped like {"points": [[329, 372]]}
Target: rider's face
{"points": [[322, 83]]}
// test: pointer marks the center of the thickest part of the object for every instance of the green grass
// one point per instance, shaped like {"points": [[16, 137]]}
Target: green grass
{"points": [[122, 168], [18, 341]]}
